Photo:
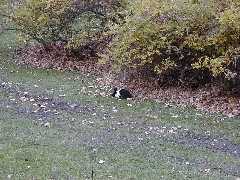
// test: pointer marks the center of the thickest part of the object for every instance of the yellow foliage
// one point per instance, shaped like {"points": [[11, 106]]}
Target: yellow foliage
{"points": [[42, 20], [159, 32]]}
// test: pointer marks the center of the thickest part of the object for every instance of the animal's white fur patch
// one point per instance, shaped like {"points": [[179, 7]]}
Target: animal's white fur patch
{"points": [[118, 95]]}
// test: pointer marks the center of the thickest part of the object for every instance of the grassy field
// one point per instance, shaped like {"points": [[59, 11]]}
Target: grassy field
{"points": [[63, 125]]}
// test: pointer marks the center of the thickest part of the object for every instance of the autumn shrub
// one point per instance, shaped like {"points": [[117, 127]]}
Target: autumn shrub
{"points": [[43, 21], [191, 42], [78, 23]]}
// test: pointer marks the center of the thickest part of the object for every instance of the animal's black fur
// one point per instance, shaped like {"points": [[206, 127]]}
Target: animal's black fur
{"points": [[121, 93]]}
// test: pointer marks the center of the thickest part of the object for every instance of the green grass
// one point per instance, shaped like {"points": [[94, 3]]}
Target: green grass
{"points": [[8, 40], [107, 138]]}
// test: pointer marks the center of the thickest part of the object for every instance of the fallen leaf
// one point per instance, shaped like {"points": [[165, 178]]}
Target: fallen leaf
{"points": [[230, 115], [101, 161], [31, 100], [47, 124]]}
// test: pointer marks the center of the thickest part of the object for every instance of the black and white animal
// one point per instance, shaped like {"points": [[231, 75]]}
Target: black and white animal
{"points": [[121, 93]]}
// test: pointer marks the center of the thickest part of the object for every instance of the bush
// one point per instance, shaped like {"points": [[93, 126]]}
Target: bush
{"points": [[44, 21], [78, 22], [177, 38]]}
